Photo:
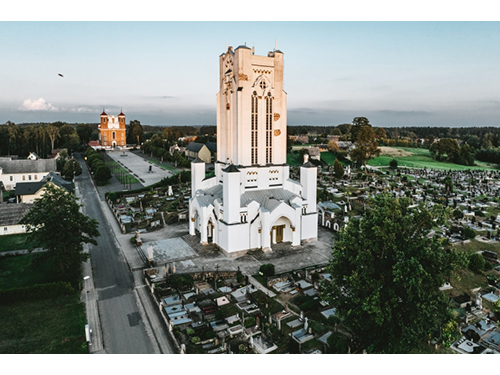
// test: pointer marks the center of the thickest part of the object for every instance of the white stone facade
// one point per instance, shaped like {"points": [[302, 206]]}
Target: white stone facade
{"points": [[252, 203]]}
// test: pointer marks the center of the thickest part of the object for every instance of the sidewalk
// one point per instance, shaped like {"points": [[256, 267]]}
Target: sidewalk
{"points": [[89, 296]]}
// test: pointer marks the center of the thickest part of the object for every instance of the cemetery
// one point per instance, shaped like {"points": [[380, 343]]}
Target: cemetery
{"points": [[218, 311], [149, 209]]}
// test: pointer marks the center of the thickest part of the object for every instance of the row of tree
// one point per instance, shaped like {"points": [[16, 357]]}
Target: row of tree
{"points": [[43, 138], [448, 149], [100, 170]]}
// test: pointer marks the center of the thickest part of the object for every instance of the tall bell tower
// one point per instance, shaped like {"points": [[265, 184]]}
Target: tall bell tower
{"points": [[251, 108]]}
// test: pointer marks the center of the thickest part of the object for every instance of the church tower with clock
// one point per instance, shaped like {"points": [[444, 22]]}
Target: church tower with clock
{"points": [[252, 203]]}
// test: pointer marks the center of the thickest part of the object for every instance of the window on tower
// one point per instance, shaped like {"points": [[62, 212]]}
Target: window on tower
{"points": [[269, 129], [254, 140]]}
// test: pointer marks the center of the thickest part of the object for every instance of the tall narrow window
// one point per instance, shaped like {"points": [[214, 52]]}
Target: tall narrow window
{"points": [[269, 129], [254, 139], [114, 135]]}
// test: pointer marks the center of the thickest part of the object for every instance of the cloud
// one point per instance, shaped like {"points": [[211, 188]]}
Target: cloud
{"points": [[37, 105]]}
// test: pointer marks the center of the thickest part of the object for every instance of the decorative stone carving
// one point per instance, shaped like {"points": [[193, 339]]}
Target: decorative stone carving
{"points": [[276, 116], [243, 77], [277, 132]]}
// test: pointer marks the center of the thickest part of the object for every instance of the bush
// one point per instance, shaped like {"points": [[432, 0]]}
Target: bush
{"points": [[476, 263], [337, 344], [267, 269], [195, 339], [250, 322], [393, 164], [469, 233], [112, 196]]}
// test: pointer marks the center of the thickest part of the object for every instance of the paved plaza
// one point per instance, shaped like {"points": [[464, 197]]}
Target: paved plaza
{"points": [[140, 167], [190, 256]]}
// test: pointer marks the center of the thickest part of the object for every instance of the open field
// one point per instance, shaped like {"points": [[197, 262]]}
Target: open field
{"points": [[16, 272], [52, 326], [420, 158]]}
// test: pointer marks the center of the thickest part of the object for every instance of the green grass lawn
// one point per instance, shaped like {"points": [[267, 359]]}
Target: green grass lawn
{"points": [[118, 170], [16, 272], [328, 157], [52, 326], [420, 161], [166, 166], [13, 242], [291, 159]]}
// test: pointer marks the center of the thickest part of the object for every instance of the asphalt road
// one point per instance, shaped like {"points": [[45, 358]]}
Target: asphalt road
{"points": [[123, 330]]}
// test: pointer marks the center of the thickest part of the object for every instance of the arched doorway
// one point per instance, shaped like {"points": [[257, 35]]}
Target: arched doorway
{"points": [[281, 231], [210, 231]]}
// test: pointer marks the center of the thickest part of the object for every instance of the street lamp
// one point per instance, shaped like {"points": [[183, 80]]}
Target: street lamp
{"points": [[88, 331]]}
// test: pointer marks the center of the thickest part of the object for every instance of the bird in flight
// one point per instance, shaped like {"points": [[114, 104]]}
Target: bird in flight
{"points": [[60, 75]]}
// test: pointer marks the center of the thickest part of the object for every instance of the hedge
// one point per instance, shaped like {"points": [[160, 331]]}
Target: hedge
{"points": [[36, 292]]}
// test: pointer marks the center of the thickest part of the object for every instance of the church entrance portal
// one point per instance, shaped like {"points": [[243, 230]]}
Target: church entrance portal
{"points": [[279, 233], [210, 232]]}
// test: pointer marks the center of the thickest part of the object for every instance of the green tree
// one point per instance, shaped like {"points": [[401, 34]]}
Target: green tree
{"points": [[267, 269], [386, 275], [84, 132], [102, 174], [366, 145], [476, 263], [71, 168], [136, 133], [337, 344], [56, 223], [338, 168], [53, 133], [393, 164]]}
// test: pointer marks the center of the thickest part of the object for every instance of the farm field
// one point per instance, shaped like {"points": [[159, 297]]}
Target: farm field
{"points": [[44, 326], [420, 158]]}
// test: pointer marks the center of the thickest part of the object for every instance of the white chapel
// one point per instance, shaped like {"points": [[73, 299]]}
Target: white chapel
{"points": [[252, 203]]}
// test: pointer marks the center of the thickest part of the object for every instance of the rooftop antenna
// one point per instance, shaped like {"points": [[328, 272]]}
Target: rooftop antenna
{"points": [[275, 44], [226, 47]]}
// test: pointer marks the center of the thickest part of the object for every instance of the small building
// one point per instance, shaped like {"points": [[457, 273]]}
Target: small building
{"points": [[314, 153], [10, 216], [13, 171], [33, 156], [27, 192], [198, 150], [212, 147]]}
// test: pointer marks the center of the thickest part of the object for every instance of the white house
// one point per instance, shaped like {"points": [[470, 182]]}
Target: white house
{"points": [[10, 216], [251, 203], [24, 170]]}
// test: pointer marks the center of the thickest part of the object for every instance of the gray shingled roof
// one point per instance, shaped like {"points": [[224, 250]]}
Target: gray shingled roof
{"points": [[194, 146], [268, 198], [29, 188], [28, 166], [212, 146], [11, 214]]}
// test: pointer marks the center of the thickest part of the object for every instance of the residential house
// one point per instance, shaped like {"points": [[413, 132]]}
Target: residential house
{"points": [[27, 192], [13, 171], [199, 150], [10, 216], [212, 147]]}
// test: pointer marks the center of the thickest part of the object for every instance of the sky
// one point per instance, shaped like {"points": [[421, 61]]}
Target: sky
{"points": [[396, 73]]}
